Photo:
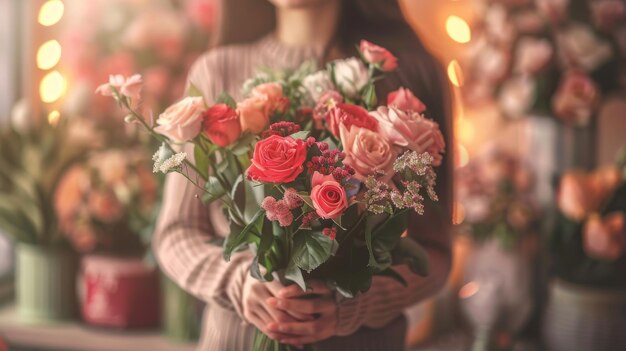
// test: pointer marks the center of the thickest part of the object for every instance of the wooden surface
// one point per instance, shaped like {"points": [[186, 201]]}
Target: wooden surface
{"points": [[72, 336]]}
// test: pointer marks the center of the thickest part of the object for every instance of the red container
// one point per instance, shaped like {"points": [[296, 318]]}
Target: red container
{"points": [[120, 293]]}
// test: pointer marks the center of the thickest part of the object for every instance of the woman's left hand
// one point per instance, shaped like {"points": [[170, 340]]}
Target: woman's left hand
{"points": [[318, 301]]}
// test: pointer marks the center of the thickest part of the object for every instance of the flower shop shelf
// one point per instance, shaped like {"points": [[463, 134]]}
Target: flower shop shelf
{"points": [[72, 336]]}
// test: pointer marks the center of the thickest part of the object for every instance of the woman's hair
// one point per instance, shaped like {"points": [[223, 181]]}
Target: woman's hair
{"points": [[381, 22]]}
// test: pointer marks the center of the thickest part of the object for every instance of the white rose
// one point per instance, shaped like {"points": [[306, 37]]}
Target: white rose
{"points": [[532, 55], [317, 84], [498, 25], [492, 64], [516, 96], [351, 75], [182, 121], [579, 46]]}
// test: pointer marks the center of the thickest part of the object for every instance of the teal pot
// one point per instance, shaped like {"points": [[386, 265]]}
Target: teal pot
{"points": [[181, 313], [582, 318], [45, 283]]}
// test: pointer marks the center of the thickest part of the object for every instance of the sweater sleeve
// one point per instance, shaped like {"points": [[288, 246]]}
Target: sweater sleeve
{"points": [[387, 298], [182, 239]]}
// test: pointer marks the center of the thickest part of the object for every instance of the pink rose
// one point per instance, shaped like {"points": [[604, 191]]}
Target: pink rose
{"points": [[377, 55], [157, 81], [367, 152], [221, 125], [349, 115], [605, 238], [202, 12], [607, 14], [576, 98], [328, 196], [405, 100], [115, 81], [412, 131], [277, 159], [182, 121], [272, 93], [252, 114]]}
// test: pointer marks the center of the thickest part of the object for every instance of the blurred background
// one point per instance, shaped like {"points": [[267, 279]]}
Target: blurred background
{"points": [[540, 129]]}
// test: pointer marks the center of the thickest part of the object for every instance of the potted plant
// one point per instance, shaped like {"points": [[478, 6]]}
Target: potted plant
{"points": [[502, 219], [31, 163], [588, 293], [106, 208]]}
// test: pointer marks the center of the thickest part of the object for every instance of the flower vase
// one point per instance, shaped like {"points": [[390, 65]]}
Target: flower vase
{"points": [[181, 317], [120, 292], [580, 318], [45, 284]]}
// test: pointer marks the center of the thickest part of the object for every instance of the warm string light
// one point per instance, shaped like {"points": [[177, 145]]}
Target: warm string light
{"points": [[458, 30], [53, 85]]}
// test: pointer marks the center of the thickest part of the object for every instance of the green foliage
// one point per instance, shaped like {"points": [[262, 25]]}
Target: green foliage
{"points": [[311, 249]]}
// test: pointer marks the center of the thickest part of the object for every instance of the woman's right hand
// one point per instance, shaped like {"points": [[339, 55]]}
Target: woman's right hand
{"points": [[257, 312]]}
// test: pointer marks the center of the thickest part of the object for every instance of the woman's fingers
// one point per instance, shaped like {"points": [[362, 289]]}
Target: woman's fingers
{"points": [[301, 333], [301, 317]]}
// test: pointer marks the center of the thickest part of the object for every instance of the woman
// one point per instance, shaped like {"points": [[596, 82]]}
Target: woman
{"points": [[281, 36]]}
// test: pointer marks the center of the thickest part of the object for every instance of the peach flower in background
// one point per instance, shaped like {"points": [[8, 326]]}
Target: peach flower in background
{"points": [[367, 152], [104, 206], [581, 194], [252, 114], [272, 94], [202, 13], [112, 166], [132, 87], [412, 131], [404, 99], [581, 48], [517, 96], [532, 55], [608, 14], [221, 125], [68, 197], [576, 98], [555, 10], [182, 121], [377, 55], [605, 238], [328, 196], [157, 81]]}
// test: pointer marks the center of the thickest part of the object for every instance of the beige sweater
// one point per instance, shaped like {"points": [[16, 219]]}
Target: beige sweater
{"points": [[369, 322]]}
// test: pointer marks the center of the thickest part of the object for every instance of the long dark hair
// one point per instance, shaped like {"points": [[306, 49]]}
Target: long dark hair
{"points": [[383, 23]]}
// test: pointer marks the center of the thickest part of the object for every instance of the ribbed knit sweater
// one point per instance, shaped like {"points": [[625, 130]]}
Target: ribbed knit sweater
{"points": [[371, 321]]}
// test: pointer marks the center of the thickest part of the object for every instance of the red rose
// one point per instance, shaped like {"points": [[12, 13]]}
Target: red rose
{"points": [[405, 100], [277, 159], [349, 115], [377, 55], [328, 196], [221, 125]]}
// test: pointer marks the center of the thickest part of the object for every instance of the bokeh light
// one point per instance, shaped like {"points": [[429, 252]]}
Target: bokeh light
{"points": [[51, 12], [455, 73], [458, 29], [48, 54], [468, 290], [54, 117], [52, 87]]}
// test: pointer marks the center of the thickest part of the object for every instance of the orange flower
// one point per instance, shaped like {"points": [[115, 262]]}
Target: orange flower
{"points": [[581, 194]]}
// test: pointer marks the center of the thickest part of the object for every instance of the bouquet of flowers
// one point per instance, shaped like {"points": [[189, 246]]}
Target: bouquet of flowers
{"points": [[589, 240], [555, 57], [107, 202], [495, 190], [314, 179]]}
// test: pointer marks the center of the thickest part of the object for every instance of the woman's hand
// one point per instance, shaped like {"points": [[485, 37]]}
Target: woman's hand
{"points": [[258, 312], [318, 303]]}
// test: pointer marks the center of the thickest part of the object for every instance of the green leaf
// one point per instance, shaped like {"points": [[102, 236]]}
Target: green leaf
{"points": [[294, 274], [202, 161], [391, 273], [301, 135], [234, 240], [384, 239], [225, 98], [311, 249], [369, 96], [193, 91], [352, 283], [214, 190], [411, 252]]}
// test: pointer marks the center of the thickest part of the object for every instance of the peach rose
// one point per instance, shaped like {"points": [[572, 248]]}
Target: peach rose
{"points": [[272, 93], [328, 196], [252, 114], [555, 10], [576, 98], [104, 206], [182, 121], [605, 238], [68, 196], [379, 56], [581, 194], [411, 130], [368, 152], [532, 55], [404, 99]]}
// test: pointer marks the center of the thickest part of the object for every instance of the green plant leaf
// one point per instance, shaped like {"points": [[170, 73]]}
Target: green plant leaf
{"points": [[384, 239], [236, 239], [214, 190], [350, 284], [301, 135], [391, 273], [411, 252], [294, 274], [311, 249], [193, 91], [202, 161], [225, 98]]}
